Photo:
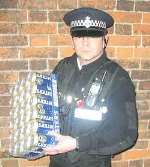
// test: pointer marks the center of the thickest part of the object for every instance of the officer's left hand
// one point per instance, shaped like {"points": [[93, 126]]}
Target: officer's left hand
{"points": [[65, 144]]}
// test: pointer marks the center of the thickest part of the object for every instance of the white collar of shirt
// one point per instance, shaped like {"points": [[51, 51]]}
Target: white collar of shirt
{"points": [[79, 64]]}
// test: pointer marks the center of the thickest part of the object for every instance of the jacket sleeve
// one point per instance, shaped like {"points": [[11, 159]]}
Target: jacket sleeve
{"points": [[119, 130]]}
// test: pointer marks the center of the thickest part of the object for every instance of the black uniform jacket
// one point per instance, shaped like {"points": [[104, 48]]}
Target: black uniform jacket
{"points": [[115, 131]]}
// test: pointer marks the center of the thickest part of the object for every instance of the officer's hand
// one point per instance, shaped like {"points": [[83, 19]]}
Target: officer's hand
{"points": [[65, 144]]}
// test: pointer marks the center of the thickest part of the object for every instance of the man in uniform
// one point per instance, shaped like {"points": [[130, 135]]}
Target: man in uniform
{"points": [[98, 116]]}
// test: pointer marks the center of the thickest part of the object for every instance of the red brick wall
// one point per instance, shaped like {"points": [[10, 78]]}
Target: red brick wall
{"points": [[33, 38]]}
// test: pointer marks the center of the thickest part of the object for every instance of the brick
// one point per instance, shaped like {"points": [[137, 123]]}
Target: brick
{"points": [[4, 89], [144, 116], [4, 133], [46, 52], [124, 53], [142, 53], [142, 6], [146, 162], [8, 28], [142, 105], [8, 77], [38, 28], [9, 163], [63, 29], [127, 17], [129, 64], [67, 4], [123, 29], [146, 17], [38, 65], [4, 111], [22, 75], [103, 4], [143, 126], [149, 126], [56, 16], [142, 95], [39, 40], [140, 75], [14, 65], [139, 29], [52, 64], [38, 162], [144, 135], [8, 3], [110, 51], [145, 85], [8, 53], [5, 145], [136, 163], [66, 51], [3, 154], [85, 3], [38, 16], [141, 145], [4, 121], [38, 4], [15, 40], [59, 40], [136, 154], [145, 64], [124, 40], [125, 5], [146, 41], [106, 4], [13, 16], [4, 100], [120, 164]]}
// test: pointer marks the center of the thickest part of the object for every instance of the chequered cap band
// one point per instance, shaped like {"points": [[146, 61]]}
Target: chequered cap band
{"points": [[88, 23]]}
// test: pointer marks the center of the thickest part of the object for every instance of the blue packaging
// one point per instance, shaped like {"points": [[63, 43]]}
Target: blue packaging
{"points": [[41, 97], [44, 82]]}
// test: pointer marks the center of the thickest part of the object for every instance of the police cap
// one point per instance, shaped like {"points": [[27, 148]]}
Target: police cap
{"points": [[88, 22]]}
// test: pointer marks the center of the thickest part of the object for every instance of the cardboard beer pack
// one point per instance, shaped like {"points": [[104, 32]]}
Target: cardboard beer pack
{"points": [[34, 115]]}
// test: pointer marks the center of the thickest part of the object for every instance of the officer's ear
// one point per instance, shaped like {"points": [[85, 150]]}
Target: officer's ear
{"points": [[105, 39], [72, 42]]}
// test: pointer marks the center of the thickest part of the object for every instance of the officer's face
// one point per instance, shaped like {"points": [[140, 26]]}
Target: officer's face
{"points": [[88, 48]]}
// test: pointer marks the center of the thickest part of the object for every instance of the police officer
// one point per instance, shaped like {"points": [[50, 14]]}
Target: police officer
{"points": [[98, 116]]}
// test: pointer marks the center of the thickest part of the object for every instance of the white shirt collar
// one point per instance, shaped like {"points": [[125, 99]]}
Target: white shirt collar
{"points": [[79, 64]]}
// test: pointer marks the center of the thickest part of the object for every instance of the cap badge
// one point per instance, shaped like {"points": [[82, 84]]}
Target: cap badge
{"points": [[88, 22]]}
